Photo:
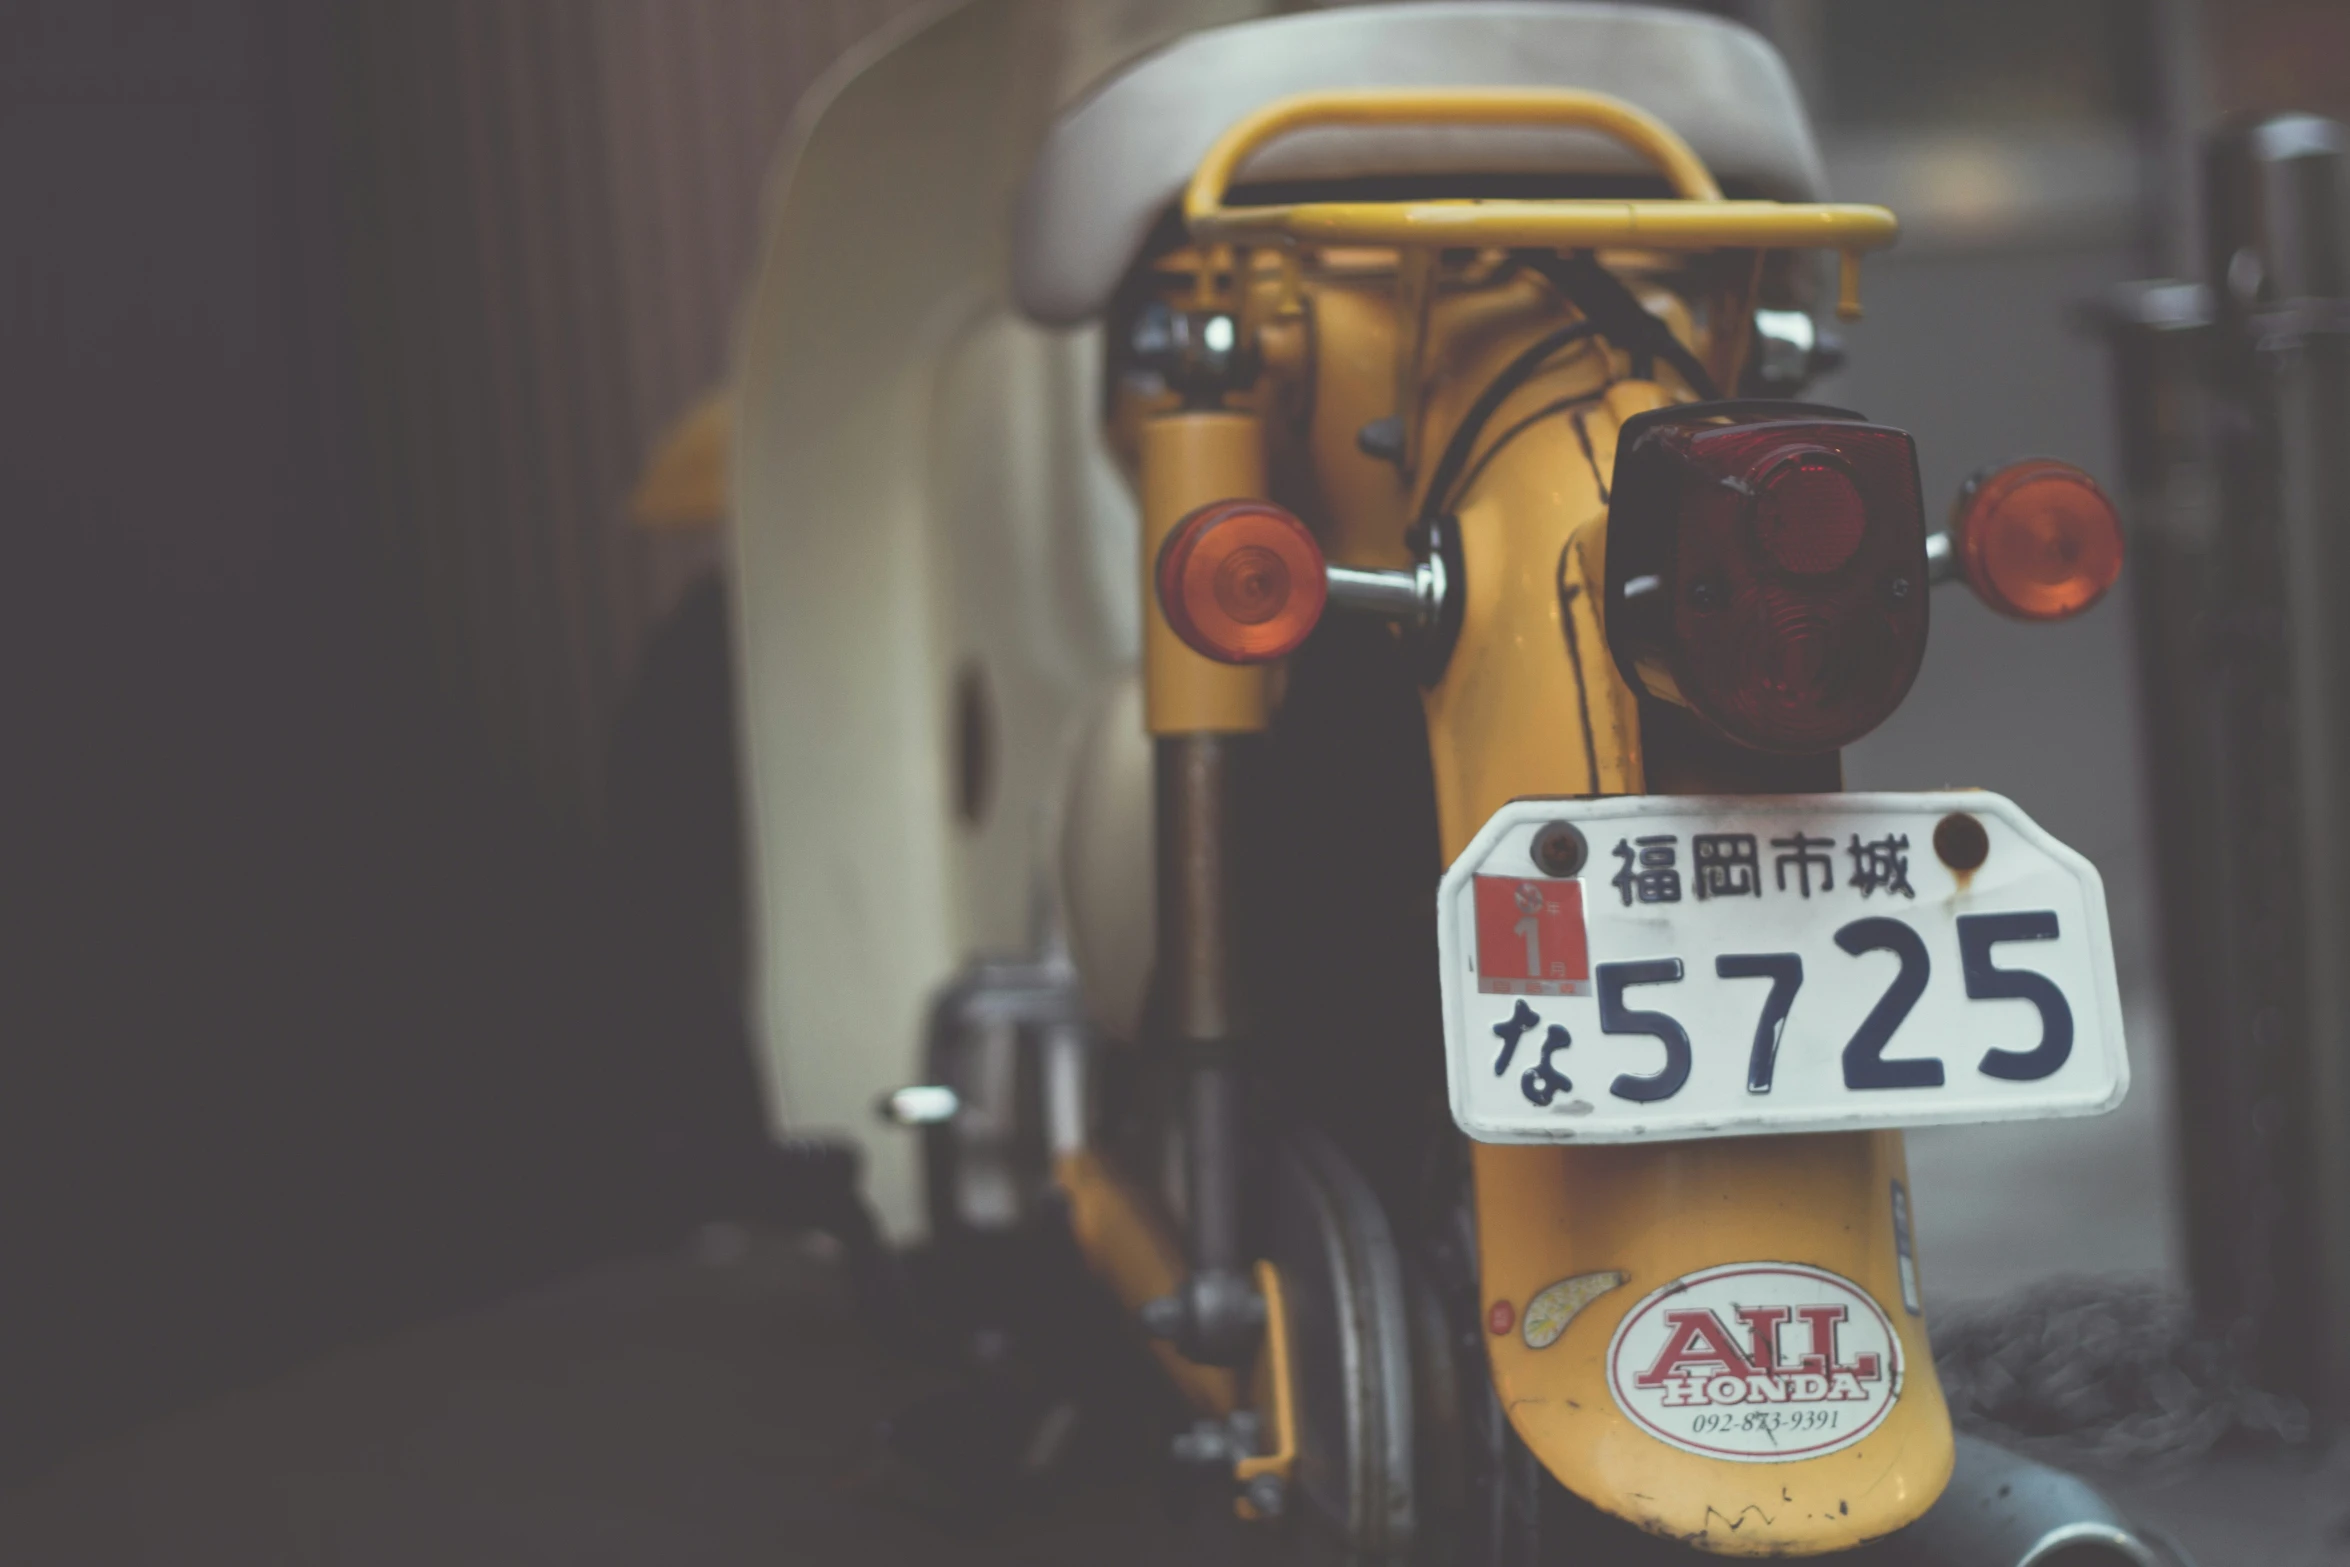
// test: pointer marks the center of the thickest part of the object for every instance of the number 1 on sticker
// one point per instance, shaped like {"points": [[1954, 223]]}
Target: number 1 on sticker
{"points": [[1531, 928]]}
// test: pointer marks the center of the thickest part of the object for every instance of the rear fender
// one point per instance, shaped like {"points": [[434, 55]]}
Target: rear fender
{"points": [[1577, 1242]]}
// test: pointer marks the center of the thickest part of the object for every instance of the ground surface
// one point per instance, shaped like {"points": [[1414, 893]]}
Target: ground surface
{"points": [[715, 1408], [685, 1411]]}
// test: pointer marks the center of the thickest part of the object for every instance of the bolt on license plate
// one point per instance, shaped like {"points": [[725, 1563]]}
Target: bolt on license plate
{"points": [[1672, 966]]}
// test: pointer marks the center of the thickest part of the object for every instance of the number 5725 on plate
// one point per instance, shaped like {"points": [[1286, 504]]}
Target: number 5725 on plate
{"points": [[1651, 967]]}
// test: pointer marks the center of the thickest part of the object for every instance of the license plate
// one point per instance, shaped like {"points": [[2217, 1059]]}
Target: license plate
{"points": [[1669, 966]]}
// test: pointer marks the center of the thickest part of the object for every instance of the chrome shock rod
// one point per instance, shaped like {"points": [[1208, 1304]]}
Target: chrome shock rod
{"points": [[1216, 1316]]}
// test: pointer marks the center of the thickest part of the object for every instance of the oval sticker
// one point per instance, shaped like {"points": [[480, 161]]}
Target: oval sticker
{"points": [[1761, 1362]]}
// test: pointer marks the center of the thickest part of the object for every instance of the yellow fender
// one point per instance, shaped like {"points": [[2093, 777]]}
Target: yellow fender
{"points": [[1576, 1241]]}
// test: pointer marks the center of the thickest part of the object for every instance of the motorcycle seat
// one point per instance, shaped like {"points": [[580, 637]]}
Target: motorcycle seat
{"points": [[1114, 162]]}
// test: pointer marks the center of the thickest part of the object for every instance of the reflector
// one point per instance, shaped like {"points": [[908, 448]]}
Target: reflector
{"points": [[1241, 581], [2037, 539], [1767, 569]]}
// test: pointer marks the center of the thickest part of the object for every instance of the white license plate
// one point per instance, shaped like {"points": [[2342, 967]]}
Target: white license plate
{"points": [[1726, 965]]}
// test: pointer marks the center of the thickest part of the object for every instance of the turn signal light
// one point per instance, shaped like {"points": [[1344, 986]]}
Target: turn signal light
{"points": [[1242, 582], [1766, 568], [2037, 540]]}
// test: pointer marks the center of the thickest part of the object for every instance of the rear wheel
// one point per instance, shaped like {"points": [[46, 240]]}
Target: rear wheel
{"points": [[1490, 1502], [1350, 1331]]}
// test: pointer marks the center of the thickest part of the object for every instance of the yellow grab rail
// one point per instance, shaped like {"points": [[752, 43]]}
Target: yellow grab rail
{"points": [[1562, 225], [1699, 220]]}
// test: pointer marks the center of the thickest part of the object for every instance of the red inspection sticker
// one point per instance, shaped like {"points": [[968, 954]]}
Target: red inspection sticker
{"points": [[1530, 939]]}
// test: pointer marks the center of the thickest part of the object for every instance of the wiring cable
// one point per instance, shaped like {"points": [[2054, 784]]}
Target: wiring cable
{"points": [[1605, 302], [1513, 375]]}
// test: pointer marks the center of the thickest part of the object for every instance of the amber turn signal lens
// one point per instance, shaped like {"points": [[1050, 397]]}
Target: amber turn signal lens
{"points": [[2038, 539], [1242, 581]]}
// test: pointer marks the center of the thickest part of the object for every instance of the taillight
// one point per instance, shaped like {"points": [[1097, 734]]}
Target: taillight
{"points": [[2037, 539], [1241, 581], [1766, 568]]}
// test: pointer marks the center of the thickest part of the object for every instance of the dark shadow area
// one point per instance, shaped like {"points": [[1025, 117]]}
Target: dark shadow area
{"points": [[315, 1023]]}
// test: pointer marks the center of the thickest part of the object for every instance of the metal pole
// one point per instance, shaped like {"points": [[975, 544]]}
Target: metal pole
{"points": [[2235, 407], [2279, 230]]}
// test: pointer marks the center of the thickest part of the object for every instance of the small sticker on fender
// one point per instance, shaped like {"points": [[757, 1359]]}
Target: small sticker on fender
{"points": [[1759, 1362], [1905, 1252], [1549, 1312]]}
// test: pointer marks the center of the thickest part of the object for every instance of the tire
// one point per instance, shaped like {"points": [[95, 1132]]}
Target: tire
{"points": [[1350, 1333], [1491, 1503]]}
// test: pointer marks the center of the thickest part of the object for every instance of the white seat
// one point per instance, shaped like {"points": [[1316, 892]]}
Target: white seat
{"points": [[1119, 158]]}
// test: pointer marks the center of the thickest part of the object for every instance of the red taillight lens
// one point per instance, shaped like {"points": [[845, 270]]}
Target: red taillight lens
{"points": [[2038, 539], [1767, 569], [1808, 517], [1242, 581]]}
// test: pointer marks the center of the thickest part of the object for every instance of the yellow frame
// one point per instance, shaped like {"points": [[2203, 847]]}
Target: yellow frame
{"points": [[1535, 525], [1276, 1395]]}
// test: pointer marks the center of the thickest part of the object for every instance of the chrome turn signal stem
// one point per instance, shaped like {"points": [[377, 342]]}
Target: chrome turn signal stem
{"points": [[1941, 558], [1413, 599]]}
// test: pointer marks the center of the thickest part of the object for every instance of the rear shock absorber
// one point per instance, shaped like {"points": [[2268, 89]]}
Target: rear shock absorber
{"points": [[1202, 715]]}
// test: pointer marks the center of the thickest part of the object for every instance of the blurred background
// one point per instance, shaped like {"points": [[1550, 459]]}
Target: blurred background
{"points": [[371, 875]]}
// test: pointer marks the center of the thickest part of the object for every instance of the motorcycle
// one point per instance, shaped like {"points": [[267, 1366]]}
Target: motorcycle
{"points": [[1465, 1025]]}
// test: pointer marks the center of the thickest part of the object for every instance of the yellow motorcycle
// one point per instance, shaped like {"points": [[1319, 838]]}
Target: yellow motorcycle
{"points": [[1462, 1020]]}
